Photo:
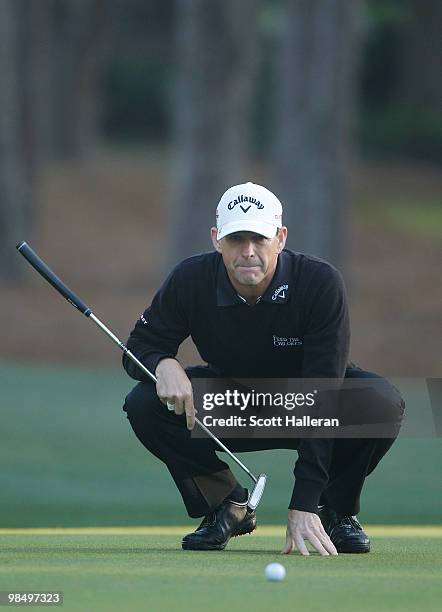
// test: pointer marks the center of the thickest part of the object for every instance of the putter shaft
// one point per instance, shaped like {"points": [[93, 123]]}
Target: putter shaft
{"points": [[132, 357]]}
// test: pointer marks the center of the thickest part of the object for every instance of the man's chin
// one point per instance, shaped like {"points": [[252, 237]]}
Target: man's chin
{"points": [[248, 279]]}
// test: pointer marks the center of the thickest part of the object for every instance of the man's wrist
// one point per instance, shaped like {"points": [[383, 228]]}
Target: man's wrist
{"points": [[161, 360], [153, 360]]}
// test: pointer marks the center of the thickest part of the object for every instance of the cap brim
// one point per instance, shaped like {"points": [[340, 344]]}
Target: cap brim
{"points": [[268, 230]]}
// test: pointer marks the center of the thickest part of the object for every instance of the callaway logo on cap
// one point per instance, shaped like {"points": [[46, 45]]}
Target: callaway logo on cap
{"points": [[249, 208]]}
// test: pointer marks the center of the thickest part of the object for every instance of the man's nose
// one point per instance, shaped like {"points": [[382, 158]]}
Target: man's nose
{"points": [[247, 248]]}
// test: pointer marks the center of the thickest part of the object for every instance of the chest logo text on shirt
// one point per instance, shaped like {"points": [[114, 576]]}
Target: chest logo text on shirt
{"points": [[283, 341]]}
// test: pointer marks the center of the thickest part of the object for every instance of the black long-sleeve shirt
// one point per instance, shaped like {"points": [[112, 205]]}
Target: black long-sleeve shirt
{"points": [[298, 329]]}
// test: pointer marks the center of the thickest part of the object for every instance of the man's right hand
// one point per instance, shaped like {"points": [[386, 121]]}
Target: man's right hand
{"points": [[174, 388]]}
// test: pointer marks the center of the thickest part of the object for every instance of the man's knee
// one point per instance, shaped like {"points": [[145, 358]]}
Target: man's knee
{"points": [[395, 401], [390, 401], [139, 401], [386, 401]]}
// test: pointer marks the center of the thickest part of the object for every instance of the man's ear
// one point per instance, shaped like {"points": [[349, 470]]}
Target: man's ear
{"points": [[282, 237], [215, 242]]}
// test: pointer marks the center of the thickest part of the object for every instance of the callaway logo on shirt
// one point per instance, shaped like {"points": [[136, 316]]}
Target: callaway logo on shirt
{"points": [[280, 292]]}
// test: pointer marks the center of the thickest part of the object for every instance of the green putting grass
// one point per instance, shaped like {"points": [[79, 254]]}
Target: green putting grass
{"points": [[145, 569]]}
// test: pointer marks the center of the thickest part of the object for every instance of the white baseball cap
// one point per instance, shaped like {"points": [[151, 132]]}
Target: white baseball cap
{"points": [[248, 207]]}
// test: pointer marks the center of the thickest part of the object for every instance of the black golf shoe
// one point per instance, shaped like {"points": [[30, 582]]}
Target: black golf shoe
{"points": [[345, 532], [228, 520]]}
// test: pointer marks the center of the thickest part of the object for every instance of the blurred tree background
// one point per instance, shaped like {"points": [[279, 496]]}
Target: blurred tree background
{"points": [[121, 123]]}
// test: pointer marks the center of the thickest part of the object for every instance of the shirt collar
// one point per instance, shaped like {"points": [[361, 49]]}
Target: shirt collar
{"points": [[276, 293]]}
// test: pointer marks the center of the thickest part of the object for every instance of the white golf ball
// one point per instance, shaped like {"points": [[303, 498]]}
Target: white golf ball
{"points": [[275, 572]]}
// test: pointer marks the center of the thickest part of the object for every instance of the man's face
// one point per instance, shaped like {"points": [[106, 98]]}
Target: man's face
{"points": [[250, 258]]}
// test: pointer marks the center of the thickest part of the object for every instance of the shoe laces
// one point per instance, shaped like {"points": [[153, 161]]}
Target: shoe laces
{"points": [[349, 521], [208, 520]]}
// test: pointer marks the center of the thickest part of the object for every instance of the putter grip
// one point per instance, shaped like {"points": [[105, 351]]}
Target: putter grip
{"points": [[52, 278]]}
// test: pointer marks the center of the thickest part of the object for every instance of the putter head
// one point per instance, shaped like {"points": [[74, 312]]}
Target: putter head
{"points": [[257, 491]]}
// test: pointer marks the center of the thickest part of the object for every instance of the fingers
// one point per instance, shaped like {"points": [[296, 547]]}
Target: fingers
{"points": [[174, 389], [315, 542], [328, 544], [309, 530], [190, 412], [288, 546], [300, 545], [292, 540], [324, 546], [326, 541], [181, 403]]}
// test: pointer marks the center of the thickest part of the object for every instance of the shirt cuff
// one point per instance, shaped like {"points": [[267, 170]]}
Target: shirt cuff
{"points": [[152, 360], [305, 496]]}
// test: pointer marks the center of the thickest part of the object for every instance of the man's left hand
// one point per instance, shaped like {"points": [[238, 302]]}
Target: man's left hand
{"points": [[307, 526]]}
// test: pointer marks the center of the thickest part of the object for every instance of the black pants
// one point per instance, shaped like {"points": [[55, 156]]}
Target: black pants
{"points": [[204, 480]]}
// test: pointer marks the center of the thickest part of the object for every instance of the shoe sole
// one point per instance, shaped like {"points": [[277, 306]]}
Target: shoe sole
{"points": [[353, 549], [187, 546]]}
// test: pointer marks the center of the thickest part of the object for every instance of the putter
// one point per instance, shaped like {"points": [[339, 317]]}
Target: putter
{"points": [[36, 262]]}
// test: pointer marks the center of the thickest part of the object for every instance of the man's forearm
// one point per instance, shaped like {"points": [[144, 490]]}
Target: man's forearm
{"points": [[149, 358], [311, 473]]}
